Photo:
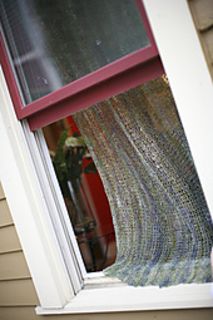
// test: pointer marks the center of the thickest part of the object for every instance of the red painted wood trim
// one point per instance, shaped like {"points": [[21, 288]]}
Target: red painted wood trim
{"points": [[105, 73], [102, 90], [9, 75]]}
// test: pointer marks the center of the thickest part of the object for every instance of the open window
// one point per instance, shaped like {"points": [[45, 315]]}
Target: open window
{"points": [[78, 56], [86, 67], [162, 223]]}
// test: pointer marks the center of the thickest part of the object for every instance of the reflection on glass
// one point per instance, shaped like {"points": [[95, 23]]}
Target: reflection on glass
{"points": [[83, 193], [55, 42]]}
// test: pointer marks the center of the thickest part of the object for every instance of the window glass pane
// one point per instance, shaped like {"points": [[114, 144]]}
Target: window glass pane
{"points": [[163, 229], [84, 194], [68, 39]]}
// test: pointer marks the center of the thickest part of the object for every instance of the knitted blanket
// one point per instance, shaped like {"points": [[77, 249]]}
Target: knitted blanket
{"points": [[164, 232]]}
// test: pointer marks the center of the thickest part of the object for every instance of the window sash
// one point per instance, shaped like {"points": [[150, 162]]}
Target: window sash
{"points": [[116, 77], [56, 208]]}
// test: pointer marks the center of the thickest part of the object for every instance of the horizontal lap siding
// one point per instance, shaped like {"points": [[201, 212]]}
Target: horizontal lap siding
{"points": [[13, 266], [5, 216], [16, 287], [17, 293], [202, 12], [9, 241]]}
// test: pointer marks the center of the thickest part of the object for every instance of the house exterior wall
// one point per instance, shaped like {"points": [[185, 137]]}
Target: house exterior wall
{"points": [[17, 294], [18, 297], [202, 13], [16, 286]]}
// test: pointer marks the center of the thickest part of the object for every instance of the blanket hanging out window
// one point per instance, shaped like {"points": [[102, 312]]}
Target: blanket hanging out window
{"points": [[163, 228]]}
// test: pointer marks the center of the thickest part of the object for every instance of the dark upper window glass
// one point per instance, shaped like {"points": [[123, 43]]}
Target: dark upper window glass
{"points": [[55, 42]]}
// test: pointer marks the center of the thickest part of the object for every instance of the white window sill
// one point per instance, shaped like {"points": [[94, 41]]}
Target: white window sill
{"points": [[126, 298]]}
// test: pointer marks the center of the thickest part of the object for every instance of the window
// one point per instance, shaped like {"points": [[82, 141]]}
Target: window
{"points": [[75, 64], [102, 90], [162, 224]]}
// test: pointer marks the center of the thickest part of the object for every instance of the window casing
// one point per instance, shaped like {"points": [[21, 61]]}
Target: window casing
{"points": [[53, 109]]}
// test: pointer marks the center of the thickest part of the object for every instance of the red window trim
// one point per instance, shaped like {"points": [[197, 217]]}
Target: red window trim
{"points": [[114, 78], [101, 91]]}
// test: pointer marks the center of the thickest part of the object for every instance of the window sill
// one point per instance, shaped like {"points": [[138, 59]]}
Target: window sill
{"points": [[126, 298]]}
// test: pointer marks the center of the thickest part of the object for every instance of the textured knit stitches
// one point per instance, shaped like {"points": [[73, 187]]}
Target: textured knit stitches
{"points": [[163, 228]]}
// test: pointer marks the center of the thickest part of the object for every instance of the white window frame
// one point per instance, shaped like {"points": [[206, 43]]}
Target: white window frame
{"points": [[60, 280]]}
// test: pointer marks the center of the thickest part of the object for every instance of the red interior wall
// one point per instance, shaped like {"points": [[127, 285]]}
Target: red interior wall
{"points": [[96, 197]]}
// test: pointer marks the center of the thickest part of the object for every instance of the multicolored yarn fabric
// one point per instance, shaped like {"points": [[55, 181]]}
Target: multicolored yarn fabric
{"points": [[164, 232]]}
